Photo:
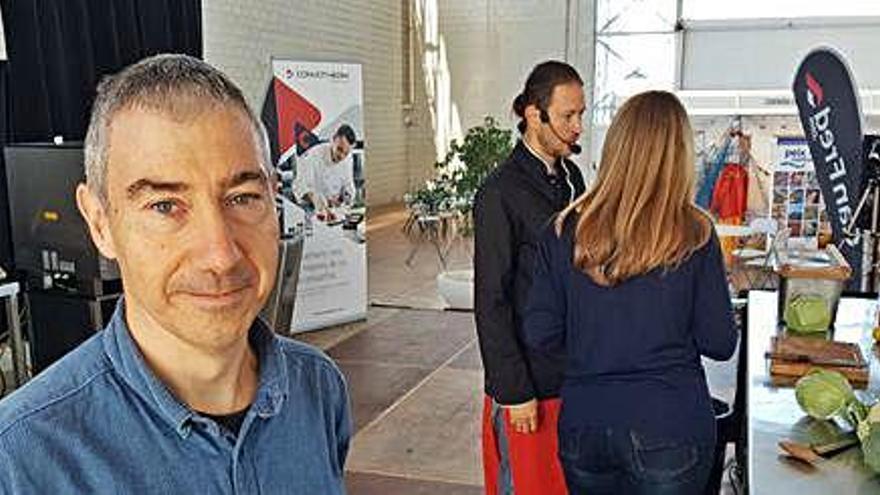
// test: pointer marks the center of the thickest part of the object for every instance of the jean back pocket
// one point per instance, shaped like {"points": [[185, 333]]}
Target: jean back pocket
{"points": [[664, 460]]}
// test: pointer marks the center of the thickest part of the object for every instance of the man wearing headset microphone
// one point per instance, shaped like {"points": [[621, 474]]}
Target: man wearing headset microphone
{"points": [[513, 206]]}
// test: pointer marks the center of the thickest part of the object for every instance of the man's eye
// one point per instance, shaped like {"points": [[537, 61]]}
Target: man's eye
{"points": [[244, 199], [164, 207]]}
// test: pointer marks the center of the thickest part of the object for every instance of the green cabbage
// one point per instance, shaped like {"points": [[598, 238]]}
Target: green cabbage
{"points": [[807, 313], [869, 435], [823, 394]]}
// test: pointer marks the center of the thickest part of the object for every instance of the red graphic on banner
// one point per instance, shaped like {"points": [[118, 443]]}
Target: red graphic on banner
{"points": [[816, 94], [296, 116]]}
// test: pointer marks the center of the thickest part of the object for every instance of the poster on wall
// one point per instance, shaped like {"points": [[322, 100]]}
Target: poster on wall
{"points": [[796, 197], [314, 116]]}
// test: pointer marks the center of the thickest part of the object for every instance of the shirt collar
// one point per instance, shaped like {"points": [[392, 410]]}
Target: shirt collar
{"points": [[548, 165], [129, 363]]}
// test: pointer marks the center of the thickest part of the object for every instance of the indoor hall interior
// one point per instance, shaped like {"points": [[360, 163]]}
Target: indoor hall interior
{"points": [[415, 373], [411, 100]]}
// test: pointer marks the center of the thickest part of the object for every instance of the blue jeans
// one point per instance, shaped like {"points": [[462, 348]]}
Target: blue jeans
{"points": [[622, 461]]}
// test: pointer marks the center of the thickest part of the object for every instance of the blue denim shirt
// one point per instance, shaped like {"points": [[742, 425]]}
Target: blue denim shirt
{"points": [[99, 421]]}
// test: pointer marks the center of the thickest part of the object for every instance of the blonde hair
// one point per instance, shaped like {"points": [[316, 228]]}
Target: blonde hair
{"points": [[640, 215]]}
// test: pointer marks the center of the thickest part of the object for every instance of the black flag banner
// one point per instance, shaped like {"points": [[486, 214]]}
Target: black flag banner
{"points": [[832, 121]]}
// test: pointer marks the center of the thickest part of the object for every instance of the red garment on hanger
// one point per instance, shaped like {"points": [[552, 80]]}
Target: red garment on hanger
{"points": [[730, 195]]}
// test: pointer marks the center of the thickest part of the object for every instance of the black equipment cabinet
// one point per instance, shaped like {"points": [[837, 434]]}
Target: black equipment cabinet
{"points": [[71, 289]]}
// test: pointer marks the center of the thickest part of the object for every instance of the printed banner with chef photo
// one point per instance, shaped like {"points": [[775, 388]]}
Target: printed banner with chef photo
{"points": [[313, 112]]}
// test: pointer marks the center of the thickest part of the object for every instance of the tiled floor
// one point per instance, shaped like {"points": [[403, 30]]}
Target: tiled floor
{"points": [[429, 434], [413, 371], [373, 484], [415, 376], [415, 382]]}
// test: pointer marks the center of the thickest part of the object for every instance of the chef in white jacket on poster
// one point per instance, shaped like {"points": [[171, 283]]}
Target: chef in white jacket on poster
{"points": [[324, 174]]}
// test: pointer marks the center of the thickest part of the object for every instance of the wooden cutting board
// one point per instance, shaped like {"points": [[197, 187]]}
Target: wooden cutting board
{"points": [[791, 357]]}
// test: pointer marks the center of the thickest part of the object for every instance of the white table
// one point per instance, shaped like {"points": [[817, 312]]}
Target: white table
{"points": [[774, 414], [9, 293]]}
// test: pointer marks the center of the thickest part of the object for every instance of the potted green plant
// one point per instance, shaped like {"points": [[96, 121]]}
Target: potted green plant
{"points": [[452, 189], [458, 176]]}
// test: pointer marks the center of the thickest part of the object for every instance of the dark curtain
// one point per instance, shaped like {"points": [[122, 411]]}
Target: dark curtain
{"points": [[58, 51]]}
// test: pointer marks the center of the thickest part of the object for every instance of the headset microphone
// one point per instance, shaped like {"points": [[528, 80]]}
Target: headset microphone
{"points": [[574, 147]]}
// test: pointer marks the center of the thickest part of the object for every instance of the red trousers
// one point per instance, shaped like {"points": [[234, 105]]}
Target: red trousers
{"points": [[531, 457]]}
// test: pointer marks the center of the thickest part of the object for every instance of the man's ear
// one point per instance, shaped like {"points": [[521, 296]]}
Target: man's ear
{"points": [[532, 114], [95, 215]]}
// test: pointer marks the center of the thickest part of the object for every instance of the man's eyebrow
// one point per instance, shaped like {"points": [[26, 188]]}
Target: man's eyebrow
{"points": [[141, 186], [243, 178]]}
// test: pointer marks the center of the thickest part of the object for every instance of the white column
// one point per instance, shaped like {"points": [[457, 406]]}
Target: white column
{"points": [[580, 50]]}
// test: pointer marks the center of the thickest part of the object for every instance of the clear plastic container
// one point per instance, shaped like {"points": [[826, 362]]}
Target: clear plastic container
{"points": [[810, 286]]}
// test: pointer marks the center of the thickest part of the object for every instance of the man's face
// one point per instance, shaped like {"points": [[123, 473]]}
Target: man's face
{"points": [[340, 149], [566, 111], [190, 219]]}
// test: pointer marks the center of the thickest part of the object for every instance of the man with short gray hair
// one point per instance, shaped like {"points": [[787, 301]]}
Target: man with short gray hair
{"points": [[185, 390]]}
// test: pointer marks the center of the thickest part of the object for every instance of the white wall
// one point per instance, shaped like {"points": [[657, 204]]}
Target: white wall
{"points": [[491, 46], [469, 58], [240, 36], [476, 54]]}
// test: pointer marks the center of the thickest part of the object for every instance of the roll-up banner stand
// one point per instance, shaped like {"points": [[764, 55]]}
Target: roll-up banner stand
{"points": [[313, 113]]}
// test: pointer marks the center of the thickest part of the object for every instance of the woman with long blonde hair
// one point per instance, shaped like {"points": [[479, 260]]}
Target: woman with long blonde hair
{"points": [[629, 283]]}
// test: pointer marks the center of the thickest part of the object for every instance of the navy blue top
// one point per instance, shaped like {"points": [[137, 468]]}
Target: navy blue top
{"points": [[634, 349], [100, 421]]}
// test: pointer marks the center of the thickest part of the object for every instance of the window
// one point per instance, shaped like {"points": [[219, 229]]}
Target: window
{"points": [[635, 51]]}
